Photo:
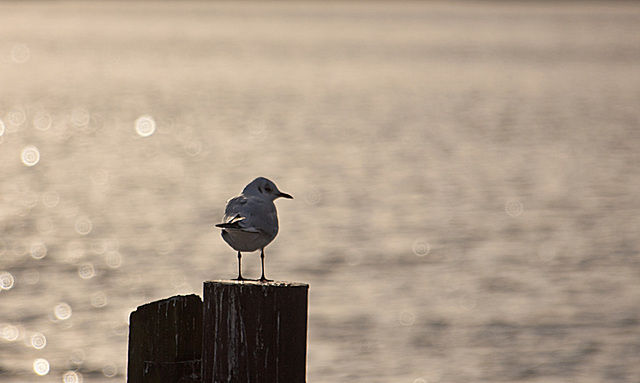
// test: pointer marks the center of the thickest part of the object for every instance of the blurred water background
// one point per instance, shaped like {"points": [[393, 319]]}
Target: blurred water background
{"points": [[466, 180]]}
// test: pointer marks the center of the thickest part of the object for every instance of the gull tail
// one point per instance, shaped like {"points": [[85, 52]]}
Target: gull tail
{"points": [[230, 225], [233, 223]]}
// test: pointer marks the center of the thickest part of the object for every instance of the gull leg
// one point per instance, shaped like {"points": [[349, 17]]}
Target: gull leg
{"points": [[263, 278], [239, 267]]}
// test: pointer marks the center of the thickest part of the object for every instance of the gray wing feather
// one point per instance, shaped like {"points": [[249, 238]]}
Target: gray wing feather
{"points": [[250, 215]]}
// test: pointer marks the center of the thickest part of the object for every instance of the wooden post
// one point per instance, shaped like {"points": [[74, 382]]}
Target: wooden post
{"points": [[254, 332], [165, 341]]}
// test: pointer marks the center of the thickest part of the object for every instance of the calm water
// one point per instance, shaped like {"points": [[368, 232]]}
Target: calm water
{"points": [[465, 176]]}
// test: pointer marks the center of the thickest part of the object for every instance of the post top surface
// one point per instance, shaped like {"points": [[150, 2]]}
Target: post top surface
{"points": [[253, 282], [170, 300]]}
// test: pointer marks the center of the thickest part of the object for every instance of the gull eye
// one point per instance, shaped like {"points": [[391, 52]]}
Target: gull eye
{"points": [[268, 189]]}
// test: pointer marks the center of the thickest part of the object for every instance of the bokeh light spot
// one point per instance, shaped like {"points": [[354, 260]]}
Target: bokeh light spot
{"points": [[312, 196], [86, 270], [51, 198], [513, 208], [83, 226], [145, 126], [407, 318], [99, 246], [9, 332], [6, 280], [136, 295], [177, 279], [37, 250], [193, 147], [81, 118], [235, 158], [29, 199], [75, 251], [42, 120], [112, 244], [113, 259], [100, 177], [468, 302], [20, 53], [72, 377], [31, 276], [20, 249], [17, 116], [62, 311], [99, 299], [354, 257], [257, 128], [121, 328], [41, 366], [30, 155], [77, 356], [421, 247], [110, 370], [38, 341]]}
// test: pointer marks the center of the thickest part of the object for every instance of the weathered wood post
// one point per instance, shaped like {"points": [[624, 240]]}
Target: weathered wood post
{"points": [[254, 332], [244, 332], [165, 341]]}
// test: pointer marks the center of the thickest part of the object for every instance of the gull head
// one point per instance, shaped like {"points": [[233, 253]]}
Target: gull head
{"points": [[266, 188]]}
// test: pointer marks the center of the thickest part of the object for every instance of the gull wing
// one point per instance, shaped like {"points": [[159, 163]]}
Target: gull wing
{"points": [[236, 216]]}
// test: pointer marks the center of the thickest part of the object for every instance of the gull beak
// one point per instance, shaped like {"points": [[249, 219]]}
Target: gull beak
{"points": [[285, 195]]}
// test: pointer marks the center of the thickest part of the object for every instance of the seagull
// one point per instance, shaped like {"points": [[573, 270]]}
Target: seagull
{"points": [[250, 220]]}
